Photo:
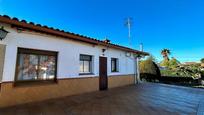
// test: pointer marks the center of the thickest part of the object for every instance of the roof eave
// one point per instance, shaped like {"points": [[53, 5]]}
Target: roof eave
{"points": [[44, 29]]}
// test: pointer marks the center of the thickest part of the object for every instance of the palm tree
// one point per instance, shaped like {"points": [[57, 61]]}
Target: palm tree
{"points": [[165, 53]]}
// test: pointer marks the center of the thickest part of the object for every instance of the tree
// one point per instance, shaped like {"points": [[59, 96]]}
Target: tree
{"points": [[165, 63], [202, 60], [151, 57], [173, 63], [147, 66], [149, 69], [165, 53]]}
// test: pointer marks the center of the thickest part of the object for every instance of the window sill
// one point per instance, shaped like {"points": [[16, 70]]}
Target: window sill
{"points": [[114, 71], [34, 83], [86, 73]]}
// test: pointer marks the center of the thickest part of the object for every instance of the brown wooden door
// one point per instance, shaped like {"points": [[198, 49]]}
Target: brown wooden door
{"points": [[103, 77]]}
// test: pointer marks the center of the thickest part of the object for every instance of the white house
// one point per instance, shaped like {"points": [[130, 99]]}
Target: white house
{"points": [[38, 63]]}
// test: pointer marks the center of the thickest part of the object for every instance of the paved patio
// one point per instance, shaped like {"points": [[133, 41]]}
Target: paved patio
{"points": [[143, 99]]}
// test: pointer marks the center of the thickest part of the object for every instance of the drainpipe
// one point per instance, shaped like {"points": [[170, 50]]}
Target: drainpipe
{"points": [[138, 70], [138, 57], [135, 68]]}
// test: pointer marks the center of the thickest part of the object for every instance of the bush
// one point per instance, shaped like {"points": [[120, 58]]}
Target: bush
{"points": [[184, 81], [173, 63], [165, 63], [168, 72], [202, 75], [149, 77], [147, 66], [202, 60], [149, 70]]}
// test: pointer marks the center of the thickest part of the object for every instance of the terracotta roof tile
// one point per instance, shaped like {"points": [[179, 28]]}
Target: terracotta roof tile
{"points": [[32, 25]]}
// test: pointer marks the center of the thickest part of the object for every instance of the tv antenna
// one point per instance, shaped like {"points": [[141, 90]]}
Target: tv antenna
{"points": [[128, 23]]}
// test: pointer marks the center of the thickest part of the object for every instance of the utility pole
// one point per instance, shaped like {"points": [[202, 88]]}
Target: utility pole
{"points": [[141, 46], [128, 23]]}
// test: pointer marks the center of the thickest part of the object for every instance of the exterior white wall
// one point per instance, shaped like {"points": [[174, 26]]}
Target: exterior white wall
{"points": [[68, 57]]}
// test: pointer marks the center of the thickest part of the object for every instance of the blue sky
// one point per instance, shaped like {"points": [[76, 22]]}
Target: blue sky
{"points": [[174, 24]]}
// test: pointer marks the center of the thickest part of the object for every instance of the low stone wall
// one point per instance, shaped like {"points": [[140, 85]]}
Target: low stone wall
{"points": [[14, 95]]}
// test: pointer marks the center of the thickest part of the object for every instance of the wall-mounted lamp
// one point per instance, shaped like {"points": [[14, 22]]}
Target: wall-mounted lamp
{"points": [[103, 51], [3, 33]]}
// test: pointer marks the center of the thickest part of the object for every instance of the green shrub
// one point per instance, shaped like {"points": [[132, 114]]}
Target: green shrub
{"points": [[202, 60], [169, 72], [165, 63], [173, 63], [149, 67]]}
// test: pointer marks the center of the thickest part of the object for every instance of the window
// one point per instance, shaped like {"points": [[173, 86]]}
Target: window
{"points": [[85, 64], [36, 65], [114, 65]]}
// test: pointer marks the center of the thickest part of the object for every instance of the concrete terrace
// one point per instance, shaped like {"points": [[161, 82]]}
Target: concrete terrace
{"points": [[142, 99]]}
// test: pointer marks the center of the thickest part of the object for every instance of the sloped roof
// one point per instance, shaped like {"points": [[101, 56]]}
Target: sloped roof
{"points": [[15, 22]]}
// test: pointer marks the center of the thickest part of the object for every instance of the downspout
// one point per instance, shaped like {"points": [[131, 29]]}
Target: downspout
{"points": [[138, 70], [138, 57], [138, 65], [135, 68]]}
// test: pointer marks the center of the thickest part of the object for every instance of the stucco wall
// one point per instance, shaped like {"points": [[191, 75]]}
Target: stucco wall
{"points": [[68, 57]]}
